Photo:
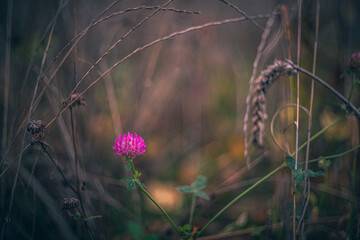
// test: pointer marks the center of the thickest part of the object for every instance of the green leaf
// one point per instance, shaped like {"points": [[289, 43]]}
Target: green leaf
{"points": [[130, 185], [325, 164], [185, 228], [298, 175], [311, 173], [126, 179], [200, 183], [290, 162], [347, 73], [128, 165], [203, 195], [185, 189], [135, 230], [78, 217], [343, 106], [140, 183], [136, 174]]}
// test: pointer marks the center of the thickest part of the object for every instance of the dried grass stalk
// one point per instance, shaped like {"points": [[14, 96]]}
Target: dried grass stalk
{"points": [[258, 102]]}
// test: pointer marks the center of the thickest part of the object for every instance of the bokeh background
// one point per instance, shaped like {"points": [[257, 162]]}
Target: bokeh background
{"points": [[186, 97]]}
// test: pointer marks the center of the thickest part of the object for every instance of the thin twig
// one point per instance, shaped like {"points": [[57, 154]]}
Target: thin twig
{"points": [[243, 13], [146, 8]]}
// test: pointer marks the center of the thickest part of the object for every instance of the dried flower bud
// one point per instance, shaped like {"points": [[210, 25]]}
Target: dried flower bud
{"points": [[70, 203], [79, 102], [36, 128], [354, 62]]}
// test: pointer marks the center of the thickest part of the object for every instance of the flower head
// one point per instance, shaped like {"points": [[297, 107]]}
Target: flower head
{"points": [[129, 145], [354, 62], [70, 203], [37, 129]]}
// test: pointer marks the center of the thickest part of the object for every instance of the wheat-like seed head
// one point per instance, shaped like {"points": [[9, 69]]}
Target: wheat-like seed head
{"points": [[258, 103]]}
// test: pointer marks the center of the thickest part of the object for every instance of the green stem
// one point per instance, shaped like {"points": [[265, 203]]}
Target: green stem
{"points": [[243, 194], [153, 200], [192, 209], [335, 155], [132, 166], [271, 173], [160, 208]]}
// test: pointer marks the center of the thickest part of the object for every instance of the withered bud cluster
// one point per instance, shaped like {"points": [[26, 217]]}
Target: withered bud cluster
{"points": [[78, 102], [354, 62], [36, 128], [70, 203], [258, 103]]}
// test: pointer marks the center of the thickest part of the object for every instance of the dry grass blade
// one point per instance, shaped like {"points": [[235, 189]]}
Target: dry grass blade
{"points": [[146, 8], [243, 13]]}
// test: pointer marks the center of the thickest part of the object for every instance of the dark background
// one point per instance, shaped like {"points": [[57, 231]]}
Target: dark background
{"points": [[186, 98]]}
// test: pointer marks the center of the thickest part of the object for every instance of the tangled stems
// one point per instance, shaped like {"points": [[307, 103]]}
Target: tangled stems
{"points": [[151, 198], [277, 169]]}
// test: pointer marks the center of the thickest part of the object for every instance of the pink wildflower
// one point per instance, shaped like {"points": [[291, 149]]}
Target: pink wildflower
{"points": [[129, 145]]}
